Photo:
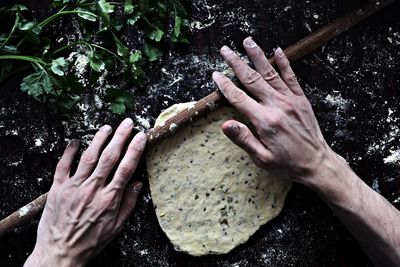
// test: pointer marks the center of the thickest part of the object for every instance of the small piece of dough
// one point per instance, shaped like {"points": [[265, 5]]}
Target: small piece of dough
{"points": [[208, 194]]}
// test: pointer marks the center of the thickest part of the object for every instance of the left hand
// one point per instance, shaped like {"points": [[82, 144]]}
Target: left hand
{"points": [[83, 212]]}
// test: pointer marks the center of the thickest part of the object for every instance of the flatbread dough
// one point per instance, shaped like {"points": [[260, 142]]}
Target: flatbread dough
{"points": [[208, 195]]}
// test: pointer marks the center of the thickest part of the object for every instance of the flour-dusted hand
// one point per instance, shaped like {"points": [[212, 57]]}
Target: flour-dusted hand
{"points": [[287, 136], [84, 211]]}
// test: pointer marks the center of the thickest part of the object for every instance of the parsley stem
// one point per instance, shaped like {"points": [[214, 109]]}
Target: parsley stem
{"points": [[62, 13], [12, 31], [108, 51], [23, 58], [71, 45], [90, 47]]}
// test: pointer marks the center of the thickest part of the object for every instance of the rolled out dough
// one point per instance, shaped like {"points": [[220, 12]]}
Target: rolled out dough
{"points": [[208, 195]]}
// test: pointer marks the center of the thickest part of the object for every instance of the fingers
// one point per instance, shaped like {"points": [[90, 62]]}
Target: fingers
{"points": [[237, 97], [239, 134], [128, 203], [250, 78], [89, 158], [63, 168], [129, 163], [263, 66], [111, 153], [287, 73]]}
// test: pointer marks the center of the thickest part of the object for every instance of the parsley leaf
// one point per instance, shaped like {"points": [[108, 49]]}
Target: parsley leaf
{"points": [[18, 8], [156, 34], [86, 14], [105, 6], [135, 57], [95, 62], [152, 52], [133, 19], [38, 85], [177, 26], [120, 100], [58, 66], [122, 50], [128, 7]]}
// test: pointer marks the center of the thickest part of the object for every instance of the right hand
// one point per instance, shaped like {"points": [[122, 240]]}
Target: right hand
{"points": [[287, 136]]}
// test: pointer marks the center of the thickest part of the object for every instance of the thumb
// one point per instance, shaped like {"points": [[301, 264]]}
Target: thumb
{"points": [[241, 135]]}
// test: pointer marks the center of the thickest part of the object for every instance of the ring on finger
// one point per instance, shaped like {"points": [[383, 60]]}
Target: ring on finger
{"points": [[270, 75]]}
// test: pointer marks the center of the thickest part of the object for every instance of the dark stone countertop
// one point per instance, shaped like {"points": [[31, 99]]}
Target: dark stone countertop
{"points": [[353, 83]]}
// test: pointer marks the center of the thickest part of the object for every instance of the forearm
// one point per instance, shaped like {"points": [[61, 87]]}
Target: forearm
{"points": [[51, 257], [373, 221]]}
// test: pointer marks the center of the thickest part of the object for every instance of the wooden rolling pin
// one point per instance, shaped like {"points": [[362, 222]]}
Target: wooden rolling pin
{"points": [[214, 100]]}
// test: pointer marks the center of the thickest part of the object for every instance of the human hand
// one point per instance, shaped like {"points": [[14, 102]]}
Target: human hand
{"points": [[84, 212], [287, 136]]}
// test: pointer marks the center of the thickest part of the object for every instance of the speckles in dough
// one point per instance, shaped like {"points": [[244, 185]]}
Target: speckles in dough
{"points": [[209, 196]]}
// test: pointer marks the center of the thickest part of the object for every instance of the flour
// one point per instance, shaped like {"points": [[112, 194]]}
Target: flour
{"points": [[24, 210]]}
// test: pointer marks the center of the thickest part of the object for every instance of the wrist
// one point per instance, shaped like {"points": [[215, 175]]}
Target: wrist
{"points": [[51, 257], [333, 180]]}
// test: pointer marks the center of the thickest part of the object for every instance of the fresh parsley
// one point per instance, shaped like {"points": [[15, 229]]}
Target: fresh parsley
{"points": [[26, 44]]}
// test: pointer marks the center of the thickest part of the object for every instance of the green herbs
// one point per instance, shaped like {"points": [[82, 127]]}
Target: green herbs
{"points": [[28, 45]]}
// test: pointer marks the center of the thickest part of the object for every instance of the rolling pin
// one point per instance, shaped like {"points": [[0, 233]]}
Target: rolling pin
{"points": [[215, 100]]}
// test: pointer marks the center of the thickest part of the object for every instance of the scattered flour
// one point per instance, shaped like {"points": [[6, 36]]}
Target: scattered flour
{"points": [[143, 122], [38, 142], [337, 100], [24, 210], [210, 11], [393, 158]]}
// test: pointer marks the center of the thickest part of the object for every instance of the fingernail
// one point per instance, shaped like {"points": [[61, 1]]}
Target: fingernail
{"points": [[235, 127], [226, 50], [137, 187], [250, 43], [73, 143], [216, 75], [279, 52], [106, 128], [142, 139], [232, 129], [127, 123]]}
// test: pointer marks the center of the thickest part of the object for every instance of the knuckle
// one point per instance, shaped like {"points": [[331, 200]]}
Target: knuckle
{"points": [[88, 158], [288, 106], [127, 169], [226, 84], [236, 62], [291, 77], [238, 97], [259, 53], [109, 157], [275, 120], [137, 147], [123, 133], [61, 167], [109, 202], [251, 77]]}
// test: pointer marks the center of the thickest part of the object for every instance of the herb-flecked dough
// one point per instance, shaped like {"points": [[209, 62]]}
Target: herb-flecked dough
{"points": [[208, 195]]}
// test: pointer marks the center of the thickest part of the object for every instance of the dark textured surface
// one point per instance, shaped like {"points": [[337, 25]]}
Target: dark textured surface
{"points": [[353, 83]]}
